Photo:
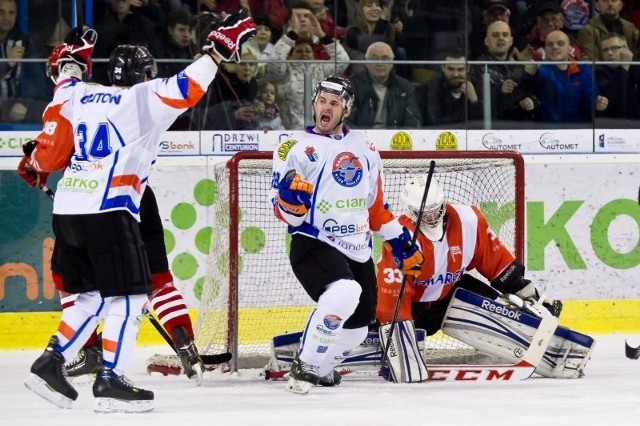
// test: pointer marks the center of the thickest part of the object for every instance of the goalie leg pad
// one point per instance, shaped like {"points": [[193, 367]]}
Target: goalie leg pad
{"points": [[507, 334], [404, 359]]}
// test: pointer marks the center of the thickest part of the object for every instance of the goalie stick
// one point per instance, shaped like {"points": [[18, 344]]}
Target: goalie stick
{"points": [[440, 372], [213, 359], [394, 319], [630, 351]]}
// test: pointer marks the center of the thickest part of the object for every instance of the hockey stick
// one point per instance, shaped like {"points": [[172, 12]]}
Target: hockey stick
{"points": [[630, 351], [206, 359], [440, 372], [394, 319], [76, 13], [48, 191]]}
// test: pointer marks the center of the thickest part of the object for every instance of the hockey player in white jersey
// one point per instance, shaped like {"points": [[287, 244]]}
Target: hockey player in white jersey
{"points": [[96, 208], [75, 57], [327, 185]]}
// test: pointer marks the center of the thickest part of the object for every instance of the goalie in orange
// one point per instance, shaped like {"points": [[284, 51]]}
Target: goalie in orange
{"points": [[454, 239]]}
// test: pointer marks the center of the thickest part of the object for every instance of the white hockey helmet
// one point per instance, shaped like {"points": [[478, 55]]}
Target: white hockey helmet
{"points": [[431, 224]]}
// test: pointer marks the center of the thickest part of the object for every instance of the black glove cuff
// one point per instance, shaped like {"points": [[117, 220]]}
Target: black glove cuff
{"points": [[28, 147], [511, 280]]}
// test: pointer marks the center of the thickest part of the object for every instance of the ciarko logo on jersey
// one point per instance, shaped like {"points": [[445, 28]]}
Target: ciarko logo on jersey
{"points": [[446, 141], [401, 141]]}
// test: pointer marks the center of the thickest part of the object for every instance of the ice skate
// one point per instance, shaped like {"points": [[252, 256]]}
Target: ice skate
{"points": [[188, 353], [302, 377], [88, 361], [48, 378], [116, 394], [333, 378]]}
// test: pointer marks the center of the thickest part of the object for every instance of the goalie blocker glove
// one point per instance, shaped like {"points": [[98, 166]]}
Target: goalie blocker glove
{"points": [[512, 281], [407, 257], [228, 36], [294, 194]]}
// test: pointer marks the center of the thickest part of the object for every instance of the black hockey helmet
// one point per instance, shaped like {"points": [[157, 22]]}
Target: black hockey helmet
{"points": [[336, 86], [129, 64]]}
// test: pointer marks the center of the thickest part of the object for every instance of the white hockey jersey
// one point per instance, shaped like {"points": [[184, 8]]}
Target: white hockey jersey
{"points": [[116, 137], [348, 199]]}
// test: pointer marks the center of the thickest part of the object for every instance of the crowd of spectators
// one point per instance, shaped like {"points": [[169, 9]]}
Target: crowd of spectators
{"points": [[480, 61]]}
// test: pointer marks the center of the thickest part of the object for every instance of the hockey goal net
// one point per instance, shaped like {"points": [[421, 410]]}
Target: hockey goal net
{"points": [[250, 293]]}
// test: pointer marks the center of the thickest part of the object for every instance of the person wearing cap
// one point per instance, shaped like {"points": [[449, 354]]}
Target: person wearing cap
{"points": [[549, 18], [607, 21]]}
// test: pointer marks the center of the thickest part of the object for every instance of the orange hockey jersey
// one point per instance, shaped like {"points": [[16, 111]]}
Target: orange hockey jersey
{"points": [[468, 244]]}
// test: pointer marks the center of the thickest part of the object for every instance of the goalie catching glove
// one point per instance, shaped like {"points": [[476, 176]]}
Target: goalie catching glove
{"points": [[228, 36], [294, 194], [406, 256]]}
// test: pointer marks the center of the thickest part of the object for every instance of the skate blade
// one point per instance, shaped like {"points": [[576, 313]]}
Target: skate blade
{"points": [[197, 374], [298, 386], [110, 405], [38, 386]]}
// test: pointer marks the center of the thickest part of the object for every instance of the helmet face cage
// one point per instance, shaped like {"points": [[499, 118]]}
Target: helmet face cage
{"points": [[337, 86], [128, 65], [431, 221]]}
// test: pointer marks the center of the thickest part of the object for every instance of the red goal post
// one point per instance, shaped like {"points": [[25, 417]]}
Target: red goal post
{"points": [[249, 292]]}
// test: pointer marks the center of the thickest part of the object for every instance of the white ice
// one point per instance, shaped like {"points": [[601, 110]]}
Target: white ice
{"points": [[608, 395]]}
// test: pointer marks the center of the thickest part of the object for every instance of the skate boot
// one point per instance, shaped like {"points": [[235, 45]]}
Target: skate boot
{"points": [[302, 377], [188, 353], [48, 377], [333, 378], [88, 361], [116, 394]]}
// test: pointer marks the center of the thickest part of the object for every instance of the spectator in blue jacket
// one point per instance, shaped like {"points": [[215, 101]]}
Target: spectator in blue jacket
{"points": [[564, 92]]}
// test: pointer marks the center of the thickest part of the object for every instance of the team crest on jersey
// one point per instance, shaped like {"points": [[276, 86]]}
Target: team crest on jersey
{"points": [[455, 251], [311, 153], [285, 147], [347, 170], [332, 321]]}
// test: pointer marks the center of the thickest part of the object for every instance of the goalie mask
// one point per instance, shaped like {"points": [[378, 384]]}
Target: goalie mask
{"points": [[431, 224], [128, 65]]}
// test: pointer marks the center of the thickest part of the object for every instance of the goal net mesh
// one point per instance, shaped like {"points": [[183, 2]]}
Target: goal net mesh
{"points": [[250, 293]]}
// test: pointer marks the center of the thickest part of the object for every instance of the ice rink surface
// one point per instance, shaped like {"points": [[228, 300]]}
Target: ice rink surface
{"points": [[608, 395]]}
